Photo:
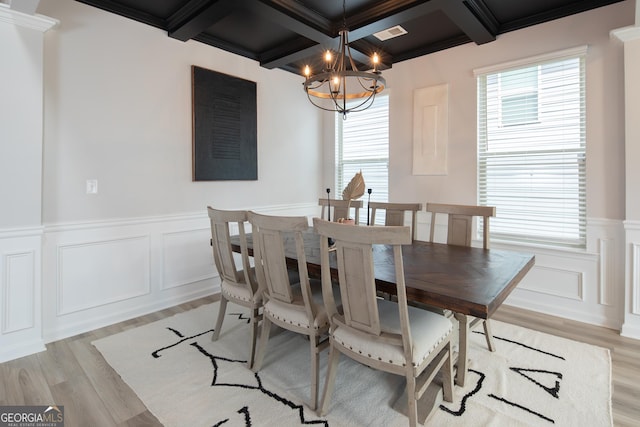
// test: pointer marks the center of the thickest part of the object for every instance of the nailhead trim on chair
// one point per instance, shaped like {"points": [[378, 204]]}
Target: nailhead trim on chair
{"points": [[404, 362], [315, 328]]}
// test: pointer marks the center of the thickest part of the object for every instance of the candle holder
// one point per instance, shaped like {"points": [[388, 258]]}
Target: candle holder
{"points": [[369, 191]]}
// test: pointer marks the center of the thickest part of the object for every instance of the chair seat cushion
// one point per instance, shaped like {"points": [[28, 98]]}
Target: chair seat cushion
{"points": [[428, 329], [240, 292], [295, 314]]}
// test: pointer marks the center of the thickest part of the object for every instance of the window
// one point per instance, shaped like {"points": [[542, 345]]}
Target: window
{"points": [[531, 149], [362, 144]]}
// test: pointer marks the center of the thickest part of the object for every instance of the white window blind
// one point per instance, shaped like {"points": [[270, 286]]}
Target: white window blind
{"points": [[531, 150], [362, 144]]}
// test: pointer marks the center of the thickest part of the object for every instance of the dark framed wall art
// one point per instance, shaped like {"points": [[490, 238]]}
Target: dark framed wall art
{"points": [[224, 127]]}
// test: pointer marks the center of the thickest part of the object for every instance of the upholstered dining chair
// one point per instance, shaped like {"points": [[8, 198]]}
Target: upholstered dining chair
{"points": [[381, 334], [394, 214], [238, 285], [459, 232], [341, 209], [297, 307]]}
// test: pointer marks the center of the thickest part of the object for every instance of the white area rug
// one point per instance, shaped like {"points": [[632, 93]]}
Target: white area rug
{"points": [[184, 379]]}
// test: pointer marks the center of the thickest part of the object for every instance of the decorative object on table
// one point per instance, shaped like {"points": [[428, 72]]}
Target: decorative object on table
{"points": [[331, 242], [224, 127], [328, 204], [369, 191], [353, 191], [184, 378], [340, 81]]}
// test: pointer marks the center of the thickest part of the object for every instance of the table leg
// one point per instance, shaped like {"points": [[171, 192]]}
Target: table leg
{"points": [[463, 339]]}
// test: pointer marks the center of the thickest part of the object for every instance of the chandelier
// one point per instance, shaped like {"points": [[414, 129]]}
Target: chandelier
{"points": [[347, 88]]}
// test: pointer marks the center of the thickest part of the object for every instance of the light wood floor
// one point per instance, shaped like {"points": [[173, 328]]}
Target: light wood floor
{"points": [[73, 373]]}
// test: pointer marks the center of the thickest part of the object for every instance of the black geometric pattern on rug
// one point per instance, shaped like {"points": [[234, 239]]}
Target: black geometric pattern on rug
{"points": [[156, 354], [463, 401], [214, 383], [553, 391], [247, 417], [523, 345], [240, 316], [515, 405]]}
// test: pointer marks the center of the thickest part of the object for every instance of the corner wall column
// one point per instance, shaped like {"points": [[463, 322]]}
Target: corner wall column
{"points": [[21, 136], [630, 36]]}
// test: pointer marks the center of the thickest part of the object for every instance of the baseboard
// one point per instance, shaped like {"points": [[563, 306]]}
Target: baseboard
{"points": [[21, 349]]}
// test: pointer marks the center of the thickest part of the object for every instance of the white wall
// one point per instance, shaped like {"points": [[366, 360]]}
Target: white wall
{"points": [[118, 109], [20, 121]]}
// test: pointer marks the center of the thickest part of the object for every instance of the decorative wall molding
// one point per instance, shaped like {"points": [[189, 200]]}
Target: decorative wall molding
{"points": [[184, 261], [626, 34], [18, 289], [556, 282], [12, 233], [34, 22], [430, 130], [635, 279], [167, 260], [20, 296], [606, 294], [97, 273], [579, 284], [155, 262]]}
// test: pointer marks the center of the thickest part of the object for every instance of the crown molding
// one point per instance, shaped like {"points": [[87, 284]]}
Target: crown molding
{"points": [[626, 34], [34, 22]]}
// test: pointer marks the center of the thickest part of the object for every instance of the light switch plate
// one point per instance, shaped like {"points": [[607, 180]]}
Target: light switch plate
{"points": [[92, 186]]}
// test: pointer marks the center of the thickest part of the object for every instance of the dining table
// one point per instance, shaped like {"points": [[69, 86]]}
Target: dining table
{"points": [[469, 282]]}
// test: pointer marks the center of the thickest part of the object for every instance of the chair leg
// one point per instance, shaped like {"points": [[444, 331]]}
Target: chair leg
{"points": [[254, 335], [463, 340], [488, 335], [264, 337], [447, 375], [221, 311], [315, 356], [412, 404], [332, 370]]}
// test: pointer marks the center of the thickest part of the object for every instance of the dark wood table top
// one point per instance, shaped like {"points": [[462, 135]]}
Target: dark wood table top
{"points": [[472, 281]]}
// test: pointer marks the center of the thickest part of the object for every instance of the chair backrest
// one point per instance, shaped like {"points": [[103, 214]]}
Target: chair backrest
{"points": [[340, 209], [221, 221], [270, 235], [395, 214], [460, 222], [356, 276]]}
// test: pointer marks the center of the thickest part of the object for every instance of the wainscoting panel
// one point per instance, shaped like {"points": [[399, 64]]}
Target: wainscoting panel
{"points": [[105, 272], [184, 260], [102, 272], [631, 326], [555, 282], [64, 279], [20, 297], [584, 285], [18, 286]]}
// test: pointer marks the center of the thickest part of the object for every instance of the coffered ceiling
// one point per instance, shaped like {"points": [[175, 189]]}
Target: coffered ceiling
{"points": [[289, 34]]}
